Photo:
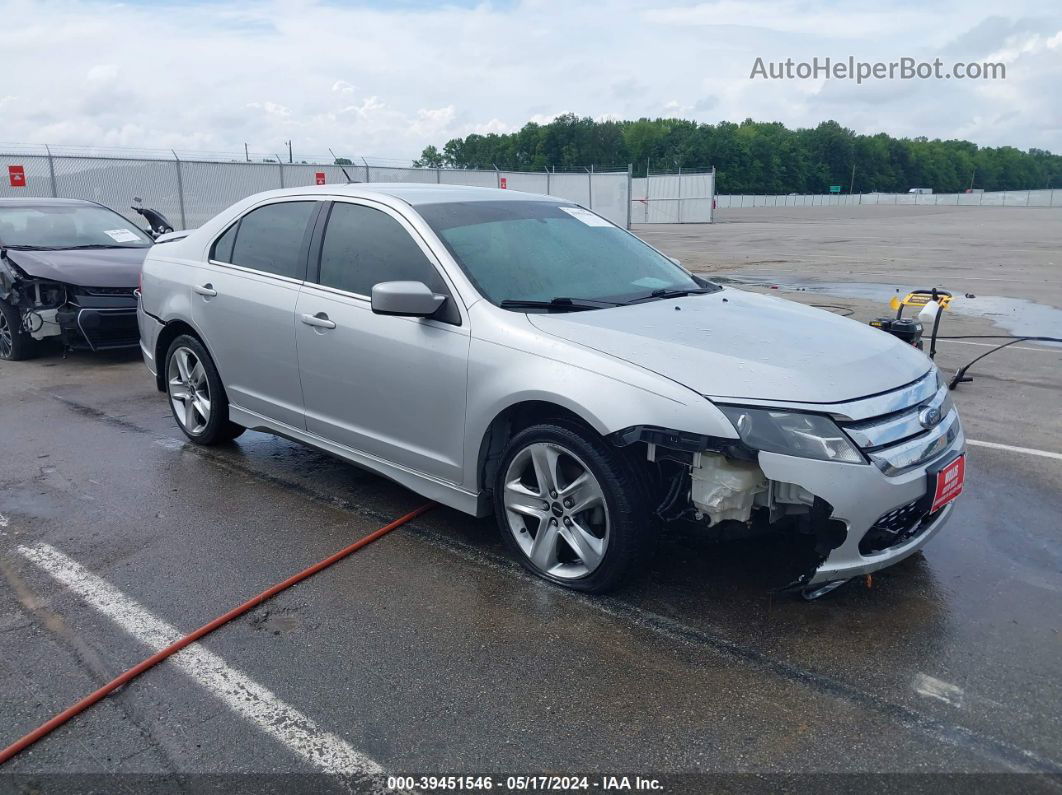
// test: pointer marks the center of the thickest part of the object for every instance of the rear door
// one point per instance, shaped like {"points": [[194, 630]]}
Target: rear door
{"points": [[244, 300], [392, 387]]}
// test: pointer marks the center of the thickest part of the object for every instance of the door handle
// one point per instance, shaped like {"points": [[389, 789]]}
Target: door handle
{"points": [[205, 290], [320, 320]]}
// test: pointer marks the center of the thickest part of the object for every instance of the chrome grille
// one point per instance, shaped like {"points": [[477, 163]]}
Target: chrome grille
{"points": [[907, 436]]}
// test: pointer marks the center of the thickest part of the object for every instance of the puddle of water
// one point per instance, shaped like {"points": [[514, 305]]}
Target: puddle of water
{"points": [[1016, 315]]}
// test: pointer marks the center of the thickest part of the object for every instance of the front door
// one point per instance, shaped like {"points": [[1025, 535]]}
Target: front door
{"points": [[392, 387]]}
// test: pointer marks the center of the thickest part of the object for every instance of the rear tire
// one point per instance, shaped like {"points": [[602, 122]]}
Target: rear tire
{"points": [[15, 343], [572, 509], [196, 394]]}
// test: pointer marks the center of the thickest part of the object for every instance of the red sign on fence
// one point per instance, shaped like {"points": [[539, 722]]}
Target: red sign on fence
{"points": [[502, 183], [17, 175], [320, 175]]}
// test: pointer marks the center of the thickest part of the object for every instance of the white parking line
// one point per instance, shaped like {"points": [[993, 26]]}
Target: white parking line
{"points": [[1012, 449], [241, 694], [996, 345]]}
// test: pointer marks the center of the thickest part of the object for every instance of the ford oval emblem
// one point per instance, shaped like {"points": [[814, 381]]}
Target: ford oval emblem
{"points": [[929, 417]]}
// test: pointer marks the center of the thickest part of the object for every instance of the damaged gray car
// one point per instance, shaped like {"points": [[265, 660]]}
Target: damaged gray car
{"points": [[68, 274]]}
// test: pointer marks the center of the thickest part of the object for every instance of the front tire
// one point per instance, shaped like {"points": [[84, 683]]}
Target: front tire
{"points": [[15, 343], [196, 395], [571, 508]]}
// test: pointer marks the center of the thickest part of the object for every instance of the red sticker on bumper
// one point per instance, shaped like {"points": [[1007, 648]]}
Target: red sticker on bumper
{"points": [[949, 483]]}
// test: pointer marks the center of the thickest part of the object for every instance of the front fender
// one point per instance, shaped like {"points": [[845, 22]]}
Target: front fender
{"points": [[608, 394]]}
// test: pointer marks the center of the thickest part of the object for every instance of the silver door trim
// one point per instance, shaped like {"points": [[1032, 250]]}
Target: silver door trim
{"points": [[443, 491]]}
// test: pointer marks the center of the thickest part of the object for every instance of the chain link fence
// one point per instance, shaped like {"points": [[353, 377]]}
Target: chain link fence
{"points": [[189, 191], [679, 197], [1004, 198]]}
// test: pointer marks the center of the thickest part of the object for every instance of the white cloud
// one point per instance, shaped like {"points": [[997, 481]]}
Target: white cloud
{"points": [[211, 76], [272, 108]]}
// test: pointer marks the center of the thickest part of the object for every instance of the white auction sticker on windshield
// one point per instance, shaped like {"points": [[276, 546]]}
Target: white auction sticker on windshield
{"points": [[122, 235], [586, 216]]}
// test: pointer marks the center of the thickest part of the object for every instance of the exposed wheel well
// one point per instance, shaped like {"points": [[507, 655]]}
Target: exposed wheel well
{"points": [[169, 333], [513, 420]]}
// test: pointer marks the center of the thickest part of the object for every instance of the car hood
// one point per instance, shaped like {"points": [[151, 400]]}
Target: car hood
{"points": [[94, 267], [736, 344]]}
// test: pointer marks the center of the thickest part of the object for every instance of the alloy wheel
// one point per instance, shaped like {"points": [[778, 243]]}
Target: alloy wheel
{"points": [[189, 390], [7, 343], [555, 508]]}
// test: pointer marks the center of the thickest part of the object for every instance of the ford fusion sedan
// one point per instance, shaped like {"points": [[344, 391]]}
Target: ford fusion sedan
{"points": [[68, 270], [506, 353]]}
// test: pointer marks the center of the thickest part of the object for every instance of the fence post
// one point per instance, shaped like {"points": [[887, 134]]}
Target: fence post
{"points": [[180, 189], [366, 162], [648, 184], [51, 171], [438, 175], [630, 182], [678, 209], [497, 175], [546, 168], [589, 186], [711, 199], [280, 165]]}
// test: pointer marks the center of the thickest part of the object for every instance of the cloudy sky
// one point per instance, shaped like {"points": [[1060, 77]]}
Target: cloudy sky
{"points": [[383, 79]]}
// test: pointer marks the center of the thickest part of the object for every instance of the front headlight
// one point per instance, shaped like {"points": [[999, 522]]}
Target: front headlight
{"points": [[792, 433]]}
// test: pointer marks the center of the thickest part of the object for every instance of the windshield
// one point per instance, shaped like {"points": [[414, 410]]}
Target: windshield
{"points": [[539, 251], [68, 226]]}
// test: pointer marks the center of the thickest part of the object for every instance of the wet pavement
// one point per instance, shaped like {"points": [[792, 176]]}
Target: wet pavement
{"points": [[431, 652]]}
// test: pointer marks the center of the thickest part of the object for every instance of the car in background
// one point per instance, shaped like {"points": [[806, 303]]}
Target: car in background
{"points": [[503, 352], [68, 272]]}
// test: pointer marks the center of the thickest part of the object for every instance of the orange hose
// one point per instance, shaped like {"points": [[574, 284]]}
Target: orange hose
{"points": [[46, 728]]}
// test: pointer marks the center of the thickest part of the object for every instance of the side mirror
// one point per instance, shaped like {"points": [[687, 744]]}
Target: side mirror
{"points": [[676, 260], [405, 299]]}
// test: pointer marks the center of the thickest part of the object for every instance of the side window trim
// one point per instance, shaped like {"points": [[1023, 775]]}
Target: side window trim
{"points": [[309, 234], [235, 228], [318, 247], [452, 314]]}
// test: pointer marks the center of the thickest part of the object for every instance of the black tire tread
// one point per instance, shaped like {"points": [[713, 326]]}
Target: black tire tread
{"points": [[219, 429], [633, 528], [23, 346]]}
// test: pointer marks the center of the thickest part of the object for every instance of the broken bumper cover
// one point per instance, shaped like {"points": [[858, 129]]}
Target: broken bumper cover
{"points": [[102, 328], [861, 496]]}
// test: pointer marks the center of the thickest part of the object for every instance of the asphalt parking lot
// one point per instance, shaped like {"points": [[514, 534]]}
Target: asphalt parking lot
{"points": [[430, 652]]}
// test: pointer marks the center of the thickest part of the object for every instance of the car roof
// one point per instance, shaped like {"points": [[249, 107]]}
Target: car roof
{"points": [[44, 201], [415, 193]]}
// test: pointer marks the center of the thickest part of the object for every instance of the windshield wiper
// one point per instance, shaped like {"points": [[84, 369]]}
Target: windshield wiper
{"points": [[672, 293], [67, 248], [561, 303]]}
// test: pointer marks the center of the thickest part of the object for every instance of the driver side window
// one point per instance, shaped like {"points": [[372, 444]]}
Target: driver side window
{"points": [[363, 246]]}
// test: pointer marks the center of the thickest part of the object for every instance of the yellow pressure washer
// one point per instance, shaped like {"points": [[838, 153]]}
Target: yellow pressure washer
{"points": [[933, 303]]}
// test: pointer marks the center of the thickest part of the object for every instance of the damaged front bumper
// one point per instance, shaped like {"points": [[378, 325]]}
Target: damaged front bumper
{"points": [[864, 498], [866, 516], [96, 318]]}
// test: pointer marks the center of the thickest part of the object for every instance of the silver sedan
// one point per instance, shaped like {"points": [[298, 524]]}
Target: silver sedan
{"points": [[506, 353]]}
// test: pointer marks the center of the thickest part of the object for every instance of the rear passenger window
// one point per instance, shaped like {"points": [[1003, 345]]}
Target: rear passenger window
{"points": [[223, 246], [270, 239], [363, 247]]}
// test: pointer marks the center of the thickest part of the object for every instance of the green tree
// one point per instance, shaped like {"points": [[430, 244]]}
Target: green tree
{"points": [[755, 157], [430, 158]]}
